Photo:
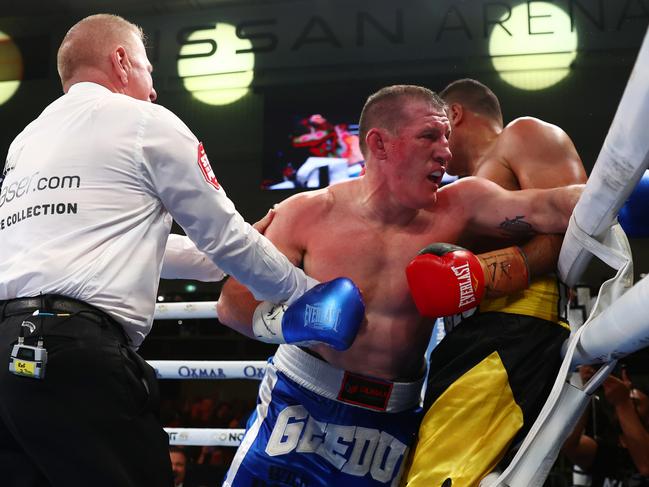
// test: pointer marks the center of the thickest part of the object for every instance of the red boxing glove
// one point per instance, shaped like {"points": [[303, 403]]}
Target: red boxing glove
{"points": [[445, 279]]}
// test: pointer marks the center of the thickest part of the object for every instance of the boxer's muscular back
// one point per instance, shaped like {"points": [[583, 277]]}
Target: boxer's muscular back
{"points": [[330, 234], [530, 153]]}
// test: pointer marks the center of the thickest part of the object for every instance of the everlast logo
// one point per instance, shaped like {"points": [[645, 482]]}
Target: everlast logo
{"points": [[354, 450], [463, 274], [321, 317]]}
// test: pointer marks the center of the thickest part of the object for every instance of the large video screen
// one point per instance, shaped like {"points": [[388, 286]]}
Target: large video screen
{"points": [[311, 136], [310, 149]]}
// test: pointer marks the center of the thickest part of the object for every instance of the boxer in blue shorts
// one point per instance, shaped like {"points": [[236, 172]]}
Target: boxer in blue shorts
{"points": [[331, 415], [332, 427]]}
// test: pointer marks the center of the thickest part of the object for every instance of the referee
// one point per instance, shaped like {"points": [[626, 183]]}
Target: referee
{"points": [[89, 191]]}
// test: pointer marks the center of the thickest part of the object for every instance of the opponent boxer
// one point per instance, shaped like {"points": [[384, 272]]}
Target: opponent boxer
{"points": [[326, 417], [490, 376]]}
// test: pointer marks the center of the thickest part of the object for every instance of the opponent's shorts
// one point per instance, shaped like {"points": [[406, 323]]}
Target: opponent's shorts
{"points": [[316, 425], [488, 380]]}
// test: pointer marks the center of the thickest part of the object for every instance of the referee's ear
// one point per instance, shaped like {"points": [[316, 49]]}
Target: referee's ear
{"points": [[120, 64]]}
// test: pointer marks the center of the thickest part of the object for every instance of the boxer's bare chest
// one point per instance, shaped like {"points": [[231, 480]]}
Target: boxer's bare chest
{"points": [[374, 256], [394, 335]]}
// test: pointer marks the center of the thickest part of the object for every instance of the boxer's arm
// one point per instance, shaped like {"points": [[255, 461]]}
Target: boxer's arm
{"points": [[540, 155], [236, 305], [329, 313], [445, 279], [542, 253], [182, 260], [496, 212]]}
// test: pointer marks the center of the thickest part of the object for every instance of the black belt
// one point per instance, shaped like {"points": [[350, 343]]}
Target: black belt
{"points": [[59, 304]]}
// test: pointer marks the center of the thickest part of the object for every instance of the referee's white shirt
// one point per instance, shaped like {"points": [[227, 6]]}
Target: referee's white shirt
{"points": [[87, 202]]}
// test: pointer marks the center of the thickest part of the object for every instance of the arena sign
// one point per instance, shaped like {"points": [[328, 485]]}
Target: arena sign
{"points": [[290, 38]]}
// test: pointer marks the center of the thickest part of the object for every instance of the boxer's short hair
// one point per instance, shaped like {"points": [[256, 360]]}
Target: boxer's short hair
{"points": [[385, 108], [474, 95]]}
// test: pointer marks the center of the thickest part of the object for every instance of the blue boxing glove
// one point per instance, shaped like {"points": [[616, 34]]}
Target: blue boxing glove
{"points": [[329, 313]]}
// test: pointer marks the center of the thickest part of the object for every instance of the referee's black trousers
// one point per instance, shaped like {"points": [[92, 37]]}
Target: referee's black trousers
{"points": [[92, 421]]}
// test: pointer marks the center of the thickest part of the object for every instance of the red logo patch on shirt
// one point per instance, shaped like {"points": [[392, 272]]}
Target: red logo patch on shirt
{"points": [[206, 169]]}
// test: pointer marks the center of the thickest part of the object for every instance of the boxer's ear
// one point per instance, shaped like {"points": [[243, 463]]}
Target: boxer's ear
{"points": [[455, 114], [376, 142]]}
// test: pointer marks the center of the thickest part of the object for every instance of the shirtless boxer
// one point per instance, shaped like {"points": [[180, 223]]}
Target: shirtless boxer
{"points": [[334, 418], [507, 354]]}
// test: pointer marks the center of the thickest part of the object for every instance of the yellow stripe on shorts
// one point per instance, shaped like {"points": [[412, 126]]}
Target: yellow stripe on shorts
{"points": [[467, 423], [540, 300]]}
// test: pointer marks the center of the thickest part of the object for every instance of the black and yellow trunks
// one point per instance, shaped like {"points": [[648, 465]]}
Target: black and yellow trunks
{"points": [[488, 380], [545, 298]]}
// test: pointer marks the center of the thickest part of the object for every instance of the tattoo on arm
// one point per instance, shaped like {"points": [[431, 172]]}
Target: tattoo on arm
{"points": [[516, 227]]}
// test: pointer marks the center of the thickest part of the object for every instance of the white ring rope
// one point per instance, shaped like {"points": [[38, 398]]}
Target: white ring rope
{"points": [[205, 436], [607, 334], [619, 166], [190, 310], [202, 369], [208, 369]]}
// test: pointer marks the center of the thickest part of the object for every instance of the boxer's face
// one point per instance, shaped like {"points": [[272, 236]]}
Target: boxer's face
{"points": [[419, 152]]}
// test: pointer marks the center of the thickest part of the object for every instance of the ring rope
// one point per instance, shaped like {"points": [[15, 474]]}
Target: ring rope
{"points": [[202, 369], [205, 436], [187, 310], [208, 369]]}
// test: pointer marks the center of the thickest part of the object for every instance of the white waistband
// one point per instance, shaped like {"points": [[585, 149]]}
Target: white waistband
{"points": [[322, 378]]}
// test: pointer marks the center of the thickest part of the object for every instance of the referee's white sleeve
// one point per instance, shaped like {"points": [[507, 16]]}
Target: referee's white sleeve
{"points": [[175, 169], [182, 260]]}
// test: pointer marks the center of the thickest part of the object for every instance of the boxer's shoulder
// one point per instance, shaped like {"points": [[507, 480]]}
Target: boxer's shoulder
{"points": [[525, 134], [316, 204], [538, 154], [307, 201], [299, 213], [523, 124]]}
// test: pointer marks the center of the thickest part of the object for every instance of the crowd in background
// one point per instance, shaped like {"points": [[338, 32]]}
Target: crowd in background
{"points": [[203, 466]]}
